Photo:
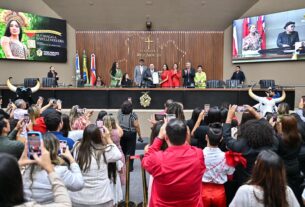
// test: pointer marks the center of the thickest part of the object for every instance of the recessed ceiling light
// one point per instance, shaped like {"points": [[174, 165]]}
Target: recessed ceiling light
{"points": [[203, 3], [149, 3], [91, 3]]}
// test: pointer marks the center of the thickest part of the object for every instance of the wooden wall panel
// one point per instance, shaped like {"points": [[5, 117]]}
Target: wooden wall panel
{"points": [[127, 47]]}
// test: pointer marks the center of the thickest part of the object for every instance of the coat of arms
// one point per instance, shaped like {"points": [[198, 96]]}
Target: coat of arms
{"points": [[145, 100]]}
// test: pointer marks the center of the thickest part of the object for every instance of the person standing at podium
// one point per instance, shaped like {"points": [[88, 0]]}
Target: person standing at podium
{"points": [[238, 75], [53, 74]]}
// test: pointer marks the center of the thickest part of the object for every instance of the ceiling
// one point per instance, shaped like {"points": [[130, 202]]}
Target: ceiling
{"points": [[208, 15]]}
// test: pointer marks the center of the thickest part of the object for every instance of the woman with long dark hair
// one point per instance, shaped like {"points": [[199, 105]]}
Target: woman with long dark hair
{"points": [[11, 42], [92, 153], [115, 75], [267, 185], [176, 76], [290, 142], [166, 77]]}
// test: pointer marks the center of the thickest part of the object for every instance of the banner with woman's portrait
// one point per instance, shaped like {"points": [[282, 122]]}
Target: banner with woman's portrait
{"points": [[26, 36]]}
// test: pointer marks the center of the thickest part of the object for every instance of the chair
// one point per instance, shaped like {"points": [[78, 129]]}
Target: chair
{"points": [[48, 82], [232, 83], [30, 82], [267, 83], [214, 84]]}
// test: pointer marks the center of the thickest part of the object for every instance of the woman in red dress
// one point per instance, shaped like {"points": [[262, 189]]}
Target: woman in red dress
{"points": [[166, 77], [176, 76]]}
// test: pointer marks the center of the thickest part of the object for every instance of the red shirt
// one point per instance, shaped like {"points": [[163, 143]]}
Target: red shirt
{"points": [[166, 75], [176, 78], [177, 175]]}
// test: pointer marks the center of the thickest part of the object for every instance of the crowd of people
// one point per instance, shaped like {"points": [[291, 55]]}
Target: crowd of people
{"points": [[218, 157]]}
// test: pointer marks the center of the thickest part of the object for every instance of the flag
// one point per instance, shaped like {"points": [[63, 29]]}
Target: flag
{"points": [[234, 44], [85, 70], [93, 73], [77, 68], [261, 30], [246, 23]]}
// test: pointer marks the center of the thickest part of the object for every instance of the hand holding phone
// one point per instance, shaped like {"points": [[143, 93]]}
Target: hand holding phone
{"points": [[34, 140], [160, 117]]}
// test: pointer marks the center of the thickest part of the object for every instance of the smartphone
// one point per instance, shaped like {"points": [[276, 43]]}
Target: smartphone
{"points": [[170, 116], [160, 117], [63, 146], [99, 124], [274, 117], [34, 140], [240, 109], [129, 99], [26, 118], [206, 108], [10, 101]]}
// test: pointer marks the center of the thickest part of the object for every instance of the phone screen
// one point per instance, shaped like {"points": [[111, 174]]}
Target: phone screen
{"points": [[26, 118], [34, 144], [99, 124], [240, 109], [159, 117], [206, 108], [170, 116], [63, 146]]}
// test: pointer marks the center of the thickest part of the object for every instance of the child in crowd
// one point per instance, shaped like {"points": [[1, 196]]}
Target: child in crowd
{"points": [[219, 165]]}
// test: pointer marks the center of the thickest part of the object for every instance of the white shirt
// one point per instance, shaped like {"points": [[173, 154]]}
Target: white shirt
{"points": [[141, 69], [245, 197], [97, 189], [216, 167], [40, 189]]}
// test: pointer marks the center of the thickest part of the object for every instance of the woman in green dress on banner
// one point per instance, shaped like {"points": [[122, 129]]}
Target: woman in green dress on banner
{"points": [[200, 78], [115, 75]]}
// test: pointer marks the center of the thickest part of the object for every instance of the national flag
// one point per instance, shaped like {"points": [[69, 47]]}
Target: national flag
{"points": [[234, 43], [85, 69], [261, 30], [93, 73], [246, 24], [77, 68]]}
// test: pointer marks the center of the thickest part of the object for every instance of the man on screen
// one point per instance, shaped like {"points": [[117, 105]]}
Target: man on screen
{"points": [[289, 37]]}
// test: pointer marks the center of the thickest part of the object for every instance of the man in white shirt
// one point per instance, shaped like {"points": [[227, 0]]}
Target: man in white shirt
{"points": [[138, 73]]}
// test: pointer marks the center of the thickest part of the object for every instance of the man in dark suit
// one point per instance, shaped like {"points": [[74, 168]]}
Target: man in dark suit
{"points": [[53, 74], [238, 75], [138, 73], [188, 75], [147, 76]]}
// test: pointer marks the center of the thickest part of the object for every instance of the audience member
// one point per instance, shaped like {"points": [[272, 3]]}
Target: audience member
{"points": [[171, 169], [219, 166], [79, 118], [128, 121], [11, 186], [177, 109], [117, 170], [54, 124], [37, 186], [8, 144], [290, 142], [255, 135], [92, 153], [283, 109], [267, 185]]}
